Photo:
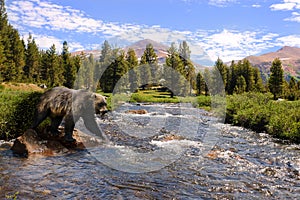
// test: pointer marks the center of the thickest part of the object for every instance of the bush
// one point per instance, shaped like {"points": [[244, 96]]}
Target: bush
{"points": [[17, 111], [260, 113]]}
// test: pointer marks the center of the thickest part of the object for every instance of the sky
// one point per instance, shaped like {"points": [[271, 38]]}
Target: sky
{"points": [[228, 29]]}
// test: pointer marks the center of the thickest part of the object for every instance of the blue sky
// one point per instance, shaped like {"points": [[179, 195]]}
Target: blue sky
{"points": [[229, 29]]}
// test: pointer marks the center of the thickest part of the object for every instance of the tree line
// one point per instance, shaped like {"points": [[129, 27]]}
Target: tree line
{"points": [[117, 70], [20, 62]]}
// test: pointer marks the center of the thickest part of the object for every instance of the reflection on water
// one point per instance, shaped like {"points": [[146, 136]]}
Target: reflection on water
{"points": [[233, 164]]}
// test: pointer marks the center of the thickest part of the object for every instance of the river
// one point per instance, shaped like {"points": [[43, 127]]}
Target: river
{"points": [[173, 152]]}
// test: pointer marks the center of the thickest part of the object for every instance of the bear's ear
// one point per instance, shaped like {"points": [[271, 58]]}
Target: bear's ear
{"points": [[94, 96]]}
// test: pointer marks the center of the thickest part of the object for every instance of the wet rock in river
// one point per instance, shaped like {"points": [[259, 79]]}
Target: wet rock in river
{"points": [[140, 111], [32, 143]]}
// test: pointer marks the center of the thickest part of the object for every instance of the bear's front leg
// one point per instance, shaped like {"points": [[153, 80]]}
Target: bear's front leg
{"points": [[69, 127], [55, 122]]}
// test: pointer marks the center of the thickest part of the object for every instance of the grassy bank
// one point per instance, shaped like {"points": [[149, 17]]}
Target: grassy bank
{"points": [[17, 110], [154, 96], [260, 113], [255, 111]]}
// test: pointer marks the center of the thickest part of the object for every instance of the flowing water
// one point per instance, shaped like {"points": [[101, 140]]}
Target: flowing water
{"points": [[173, 152]]}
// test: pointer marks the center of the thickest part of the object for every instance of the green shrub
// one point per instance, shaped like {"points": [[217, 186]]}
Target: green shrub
{"points": [[17, 111], [260, 113]]}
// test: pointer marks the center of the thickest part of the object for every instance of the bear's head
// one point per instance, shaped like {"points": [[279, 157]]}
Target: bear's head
{"points": [[100, 104]]}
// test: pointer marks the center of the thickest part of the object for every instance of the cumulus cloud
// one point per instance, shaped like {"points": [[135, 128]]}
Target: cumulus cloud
{"points": [[288, 5], [290, 40], [205, 44], [237, 45]]}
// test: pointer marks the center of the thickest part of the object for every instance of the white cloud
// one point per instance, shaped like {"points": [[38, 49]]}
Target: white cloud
{"points": [[295, 17], [46, 41], [204, 44], [288, 5], [256, 5], [234, 45], [221, 3], [290, 40]]}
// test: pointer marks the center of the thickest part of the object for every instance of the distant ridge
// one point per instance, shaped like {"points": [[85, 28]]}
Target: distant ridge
{"points": [[289, 56], [139, 47]]}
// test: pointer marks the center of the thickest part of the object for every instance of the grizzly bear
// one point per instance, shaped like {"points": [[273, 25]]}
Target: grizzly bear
{"points": [[61, 103]]}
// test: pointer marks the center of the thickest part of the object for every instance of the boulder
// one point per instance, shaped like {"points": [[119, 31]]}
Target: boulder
{"points": [[140, 112], [44, 143]]}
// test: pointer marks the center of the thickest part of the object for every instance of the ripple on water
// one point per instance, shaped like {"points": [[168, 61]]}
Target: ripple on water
{"points": [[211, 161]]}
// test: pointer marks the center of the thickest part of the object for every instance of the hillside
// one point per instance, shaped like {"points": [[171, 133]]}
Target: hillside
{"points": [[290, 57], [139, 48]]}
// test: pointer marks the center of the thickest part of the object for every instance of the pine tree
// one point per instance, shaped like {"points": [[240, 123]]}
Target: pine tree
{"points": [[188, 70], [32, 61], [292, 89], [69, 67], [247, 72], [114, 71], [2, 60], [148, 64], [120, 67], [52, 71], [241, 85], [133, 74], [3, 16], [172, 75], [219, 77], [106, 58], [276, 79], [258, 83], [232, 78], [200, 84], [208, 81]]}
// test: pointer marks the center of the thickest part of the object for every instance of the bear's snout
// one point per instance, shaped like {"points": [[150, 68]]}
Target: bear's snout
{"points": [[102, 111]]}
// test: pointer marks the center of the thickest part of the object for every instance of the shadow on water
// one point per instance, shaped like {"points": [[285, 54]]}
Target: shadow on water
{"points": [[238, 164]]}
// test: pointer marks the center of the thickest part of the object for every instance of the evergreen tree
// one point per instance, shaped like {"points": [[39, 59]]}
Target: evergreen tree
{"points": [[241, 85], [52, 71], [247, 72], [120, 68], [188, 70], [292, 89], [3, 17], [201, 85], [85, 77], [133, 74], [114, 71], [276, 79], [172, 75], [106, 58], [219, 77], [32, 61], [69, 67], [208, 81], [232, 78], [258, 83], [149, 64], [2, 60]]}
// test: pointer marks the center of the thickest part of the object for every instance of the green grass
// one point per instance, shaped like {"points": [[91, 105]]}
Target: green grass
{"points": [[17, 110]]}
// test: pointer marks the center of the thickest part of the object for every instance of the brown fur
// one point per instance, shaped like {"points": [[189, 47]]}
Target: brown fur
{"points": [[62, 103]]}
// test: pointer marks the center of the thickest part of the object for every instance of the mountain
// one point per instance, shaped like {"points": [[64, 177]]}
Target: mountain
{"points": [[139, 47], [289, 56]]}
